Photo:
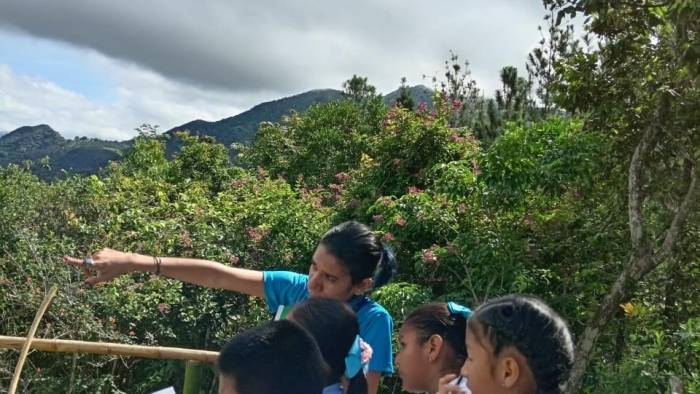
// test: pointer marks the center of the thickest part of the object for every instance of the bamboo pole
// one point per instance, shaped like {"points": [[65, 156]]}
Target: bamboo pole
{"points": [[115, 349], [29, 338], [194, 373]]}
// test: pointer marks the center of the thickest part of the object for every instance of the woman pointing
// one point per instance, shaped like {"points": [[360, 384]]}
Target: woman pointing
{"points": [[349, 261]]}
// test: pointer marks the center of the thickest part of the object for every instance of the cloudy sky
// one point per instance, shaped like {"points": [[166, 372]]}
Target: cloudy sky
{"points": [[100, 68]]}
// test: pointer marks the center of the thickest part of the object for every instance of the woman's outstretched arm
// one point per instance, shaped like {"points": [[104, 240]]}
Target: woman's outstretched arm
{"points": [[108, 264]]}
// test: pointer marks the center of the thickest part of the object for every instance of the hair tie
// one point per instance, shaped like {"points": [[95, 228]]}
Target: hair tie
{"points": [[358, 355], [387, 254], [458, 310]]}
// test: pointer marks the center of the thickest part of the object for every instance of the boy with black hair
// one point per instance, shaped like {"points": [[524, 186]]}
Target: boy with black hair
{"points": [[277, 357]]}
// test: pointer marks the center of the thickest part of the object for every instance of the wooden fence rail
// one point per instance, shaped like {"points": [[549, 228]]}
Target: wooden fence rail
{"points": [[115, 349]]}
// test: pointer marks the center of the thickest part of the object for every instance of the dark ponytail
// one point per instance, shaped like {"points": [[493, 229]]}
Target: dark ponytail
{"points": [[535, 330], [334, 326], [386, 269], [361, 252], [438, 318]]}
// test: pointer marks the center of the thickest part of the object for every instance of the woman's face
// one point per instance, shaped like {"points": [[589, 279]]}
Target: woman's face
{"points": [[328, 277], [412, 361]]}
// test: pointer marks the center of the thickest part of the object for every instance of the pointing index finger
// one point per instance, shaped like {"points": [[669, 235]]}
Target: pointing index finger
{"points": [[72, 261]]}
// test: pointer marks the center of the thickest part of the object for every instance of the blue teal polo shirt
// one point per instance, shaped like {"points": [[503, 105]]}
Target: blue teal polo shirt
{"points": [[376, 325]]}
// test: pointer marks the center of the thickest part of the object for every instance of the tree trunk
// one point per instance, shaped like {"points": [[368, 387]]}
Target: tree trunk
{"points": [[642, 260]]}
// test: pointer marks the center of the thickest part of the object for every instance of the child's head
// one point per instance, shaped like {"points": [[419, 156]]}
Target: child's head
{"points": [[517, 343], [277, 357], [432, 345], [334, 327], [349, 260]]}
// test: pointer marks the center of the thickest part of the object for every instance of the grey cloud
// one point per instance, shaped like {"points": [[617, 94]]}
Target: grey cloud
{"points": [[289, 46]]}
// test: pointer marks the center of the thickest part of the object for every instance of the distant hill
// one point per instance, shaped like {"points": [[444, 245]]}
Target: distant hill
{"points": [[88, 155], [242, 127], [80, 155], [419, 94]]}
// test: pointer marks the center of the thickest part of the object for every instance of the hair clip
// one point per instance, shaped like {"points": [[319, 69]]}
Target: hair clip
{"points": [[458, 310]]}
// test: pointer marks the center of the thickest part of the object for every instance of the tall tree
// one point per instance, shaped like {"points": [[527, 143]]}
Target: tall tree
{"points": [[513, 97], [405, 100], [459, 91], [357, 88], [557, 42], [641, 86]]}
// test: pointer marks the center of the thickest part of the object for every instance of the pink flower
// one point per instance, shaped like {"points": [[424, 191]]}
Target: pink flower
{"points": [[185, 240], [422, 107], [342, 176], [388, 237], [457, 138], [461, 208], [163, 308], [377, 218], [414, 190], [400, 222], [255, 234], [456, 104], [385, 123], [429, 256]]}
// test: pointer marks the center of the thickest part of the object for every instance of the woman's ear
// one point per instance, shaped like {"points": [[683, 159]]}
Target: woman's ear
{"points": [[434, 344], [362, 287]]}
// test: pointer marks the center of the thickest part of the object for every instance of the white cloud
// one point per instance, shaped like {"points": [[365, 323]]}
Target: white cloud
{"points": [[141, 97], [173, 61], [29, 100]]}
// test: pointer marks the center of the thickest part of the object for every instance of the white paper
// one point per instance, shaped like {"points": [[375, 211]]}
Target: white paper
{"points": [[168, 390]]}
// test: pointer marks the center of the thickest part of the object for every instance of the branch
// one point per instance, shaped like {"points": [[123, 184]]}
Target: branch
{"points": [[690, 199], [636, 200], [636, 196]]}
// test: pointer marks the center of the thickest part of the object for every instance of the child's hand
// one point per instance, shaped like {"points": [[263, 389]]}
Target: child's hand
{"points": [[445, 387], [366, 351]]}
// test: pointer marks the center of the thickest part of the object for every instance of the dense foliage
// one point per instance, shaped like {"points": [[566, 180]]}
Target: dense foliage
{"points": [[537, 212], [476, 206]]}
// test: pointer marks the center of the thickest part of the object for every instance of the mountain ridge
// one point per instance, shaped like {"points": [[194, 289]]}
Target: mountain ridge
{"points": [[88, 155]]}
